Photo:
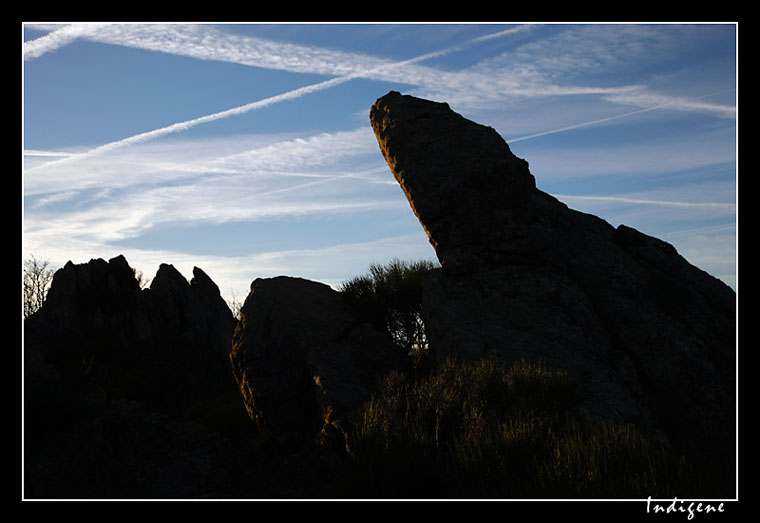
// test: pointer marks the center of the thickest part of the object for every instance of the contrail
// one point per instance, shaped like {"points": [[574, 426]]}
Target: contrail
{"points": [[584, 124], [181, 126], [602, 120], [35, 152], [54, 40], [289, 95], [717, 206]]}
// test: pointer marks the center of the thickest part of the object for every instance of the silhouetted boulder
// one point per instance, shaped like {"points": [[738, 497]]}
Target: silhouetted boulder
{"points": [[303, 362], [649, 337]]}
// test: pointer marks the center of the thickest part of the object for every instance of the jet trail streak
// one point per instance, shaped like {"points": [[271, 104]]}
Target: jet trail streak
{"points": [[289, 95]]}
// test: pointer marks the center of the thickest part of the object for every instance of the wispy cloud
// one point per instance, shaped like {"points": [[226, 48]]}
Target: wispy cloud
{"points": [[208, 42], [611, 61], [259, 159], [652, 101], [59, 37], [302, 153], [286, 178], [36, 152]]}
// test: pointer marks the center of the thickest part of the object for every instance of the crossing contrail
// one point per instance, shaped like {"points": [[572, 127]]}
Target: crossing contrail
{"points": [[289, 95]]}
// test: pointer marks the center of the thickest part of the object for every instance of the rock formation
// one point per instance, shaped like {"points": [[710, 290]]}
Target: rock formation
{"points": [[123, 386], [649, 337], [303, 361], [112, 373], [98, 310]]}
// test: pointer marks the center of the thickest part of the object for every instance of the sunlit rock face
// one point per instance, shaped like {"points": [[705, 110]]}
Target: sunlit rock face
{"points": [[648, 337], [468, 168], [303, 361]]}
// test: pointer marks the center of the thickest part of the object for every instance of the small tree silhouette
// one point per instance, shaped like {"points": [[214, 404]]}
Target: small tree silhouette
{"points": [[37, 278], [390, 297], [235, 305]]}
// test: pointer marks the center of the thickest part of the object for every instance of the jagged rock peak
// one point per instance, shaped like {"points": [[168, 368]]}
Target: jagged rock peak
{"points": [[106, 298], [202, 282], [78, 289], [168, 277], [115, 272]]}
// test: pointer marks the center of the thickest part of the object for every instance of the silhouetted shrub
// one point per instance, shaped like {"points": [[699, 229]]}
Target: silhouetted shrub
{"points": [[390, 298], [479, 430]]}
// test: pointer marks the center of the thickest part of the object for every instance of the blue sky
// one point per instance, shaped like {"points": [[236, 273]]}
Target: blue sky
{"points": [[246, 149]]}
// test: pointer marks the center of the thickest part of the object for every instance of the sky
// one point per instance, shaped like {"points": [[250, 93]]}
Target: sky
{"points": [[246, 149]]}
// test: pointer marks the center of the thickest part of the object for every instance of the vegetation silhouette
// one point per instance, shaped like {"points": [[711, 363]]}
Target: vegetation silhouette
{"points": [[38, 275], [480, 430], [390, 298]]}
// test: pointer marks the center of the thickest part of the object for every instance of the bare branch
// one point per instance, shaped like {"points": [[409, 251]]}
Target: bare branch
{"points": [[37, 278]]}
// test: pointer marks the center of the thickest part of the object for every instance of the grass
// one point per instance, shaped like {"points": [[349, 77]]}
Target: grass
{"points": [[481, 430]]}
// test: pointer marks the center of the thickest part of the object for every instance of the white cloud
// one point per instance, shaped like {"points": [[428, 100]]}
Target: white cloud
{"points": [[205, 42], [211, 42], [44, 154], [256, 157], [303, 153], [607, 60], [181, 182], [649, 100]]}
